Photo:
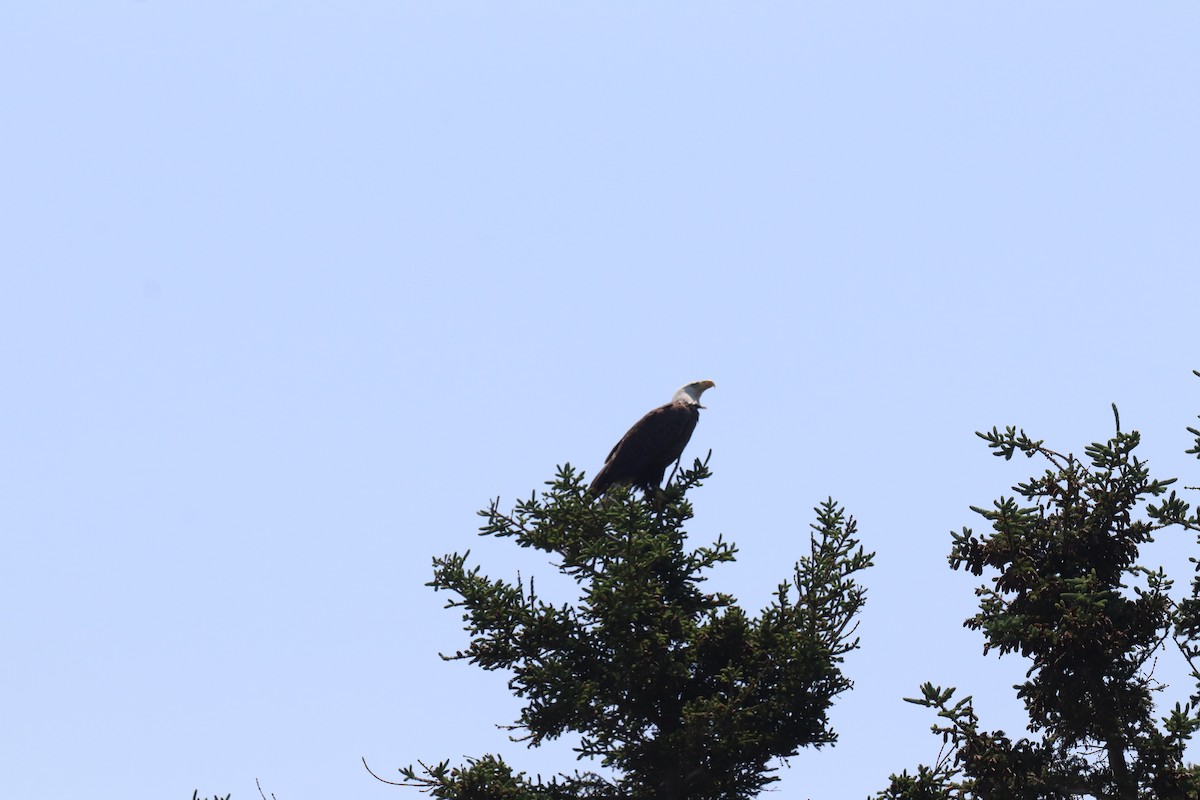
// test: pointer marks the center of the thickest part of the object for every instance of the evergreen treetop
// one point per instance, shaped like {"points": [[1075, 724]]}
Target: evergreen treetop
{"points": [[675, 691], [1067, 591]]}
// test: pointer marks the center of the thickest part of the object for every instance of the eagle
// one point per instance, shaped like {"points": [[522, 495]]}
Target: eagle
{"points": [[653, 443]]}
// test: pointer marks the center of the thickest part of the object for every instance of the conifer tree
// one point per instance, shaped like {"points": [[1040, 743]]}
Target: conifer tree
{"points": [[1068, 593], [674, 692]]}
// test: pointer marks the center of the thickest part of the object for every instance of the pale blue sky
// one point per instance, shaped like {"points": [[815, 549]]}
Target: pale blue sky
{"points": [[292, 289]]}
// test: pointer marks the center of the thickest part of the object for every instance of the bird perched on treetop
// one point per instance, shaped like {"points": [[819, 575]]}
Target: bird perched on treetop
{"points": [[653, 443]]}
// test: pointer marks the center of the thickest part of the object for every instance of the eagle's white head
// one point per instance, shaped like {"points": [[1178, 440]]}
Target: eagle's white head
{"points": [[690, 395]]}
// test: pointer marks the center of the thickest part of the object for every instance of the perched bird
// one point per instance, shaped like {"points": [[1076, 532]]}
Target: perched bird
{"points": [[653, 443]]}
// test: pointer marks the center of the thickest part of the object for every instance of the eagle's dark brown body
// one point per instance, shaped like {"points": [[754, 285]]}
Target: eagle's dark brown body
{"points": [[648, 448]]}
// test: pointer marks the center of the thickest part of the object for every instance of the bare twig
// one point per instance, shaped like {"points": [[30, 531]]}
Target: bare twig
{"points": [[674, 469], [384, 780]]}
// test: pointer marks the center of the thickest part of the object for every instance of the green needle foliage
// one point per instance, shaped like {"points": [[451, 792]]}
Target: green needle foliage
{"points": [[676, 691], [1068, 594]]}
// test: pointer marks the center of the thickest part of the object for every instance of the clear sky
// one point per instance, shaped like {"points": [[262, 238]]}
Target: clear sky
{"points": [[291, 290]]}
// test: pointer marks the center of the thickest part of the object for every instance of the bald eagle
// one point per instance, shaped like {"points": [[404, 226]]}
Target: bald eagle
{"points": [[653, 443]]}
